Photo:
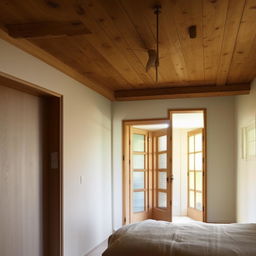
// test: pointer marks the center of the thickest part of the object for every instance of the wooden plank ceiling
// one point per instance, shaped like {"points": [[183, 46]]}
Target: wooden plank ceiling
{"points": [[108, 53]]}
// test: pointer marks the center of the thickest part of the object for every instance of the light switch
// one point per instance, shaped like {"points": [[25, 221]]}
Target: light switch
{"points": [[54, 160]]}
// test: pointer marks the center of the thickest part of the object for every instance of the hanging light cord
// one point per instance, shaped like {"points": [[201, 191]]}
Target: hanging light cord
{"points": [[157, 12]]}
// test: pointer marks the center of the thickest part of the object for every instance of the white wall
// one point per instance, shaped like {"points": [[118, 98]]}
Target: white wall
{"points": [[221, 149], [180, 156], [246, 169], [87, 150]]}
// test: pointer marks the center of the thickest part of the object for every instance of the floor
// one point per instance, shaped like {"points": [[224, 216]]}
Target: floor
{"points": [[182, 219], [99, 249]]}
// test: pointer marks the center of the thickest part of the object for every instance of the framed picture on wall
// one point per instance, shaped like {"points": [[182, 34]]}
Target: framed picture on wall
{"points": [[249, 141]]}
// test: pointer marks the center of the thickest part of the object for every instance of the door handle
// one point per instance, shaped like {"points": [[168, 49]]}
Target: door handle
{"points": [[171, 179]]}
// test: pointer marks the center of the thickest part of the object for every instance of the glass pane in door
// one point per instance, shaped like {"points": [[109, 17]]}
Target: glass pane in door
{"points": [[162, 143], [191, 144], [162, 199], [198, 161], [138, 141], [138, 201], [191, 199], [191, 162], [138, 161], [199, 201], [162, 161], [162, 180], [191, 180], [199, 181], [198, 142], [138, 180]]}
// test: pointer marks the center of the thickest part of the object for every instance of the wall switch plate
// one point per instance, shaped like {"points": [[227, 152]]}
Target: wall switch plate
{"points": [[54, 160]]}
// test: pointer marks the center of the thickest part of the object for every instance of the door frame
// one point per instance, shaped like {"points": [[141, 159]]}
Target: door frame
{"points": [[125, 155], [36, 90], [196, 110], [126, 207]]}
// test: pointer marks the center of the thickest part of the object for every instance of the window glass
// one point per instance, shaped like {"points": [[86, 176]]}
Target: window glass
{"points": [[138, 141], [199, 201], [191, 144], [199, 181], [192, 199], [138, 161], [162, 182], [138, 180], [162, 161], [138, 201], [191, 180], [198, 142], [198, 161], [162, 199], [162, 143], [191, 161]]}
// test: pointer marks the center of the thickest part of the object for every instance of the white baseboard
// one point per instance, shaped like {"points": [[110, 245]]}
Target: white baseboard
{"points": [[99, 249]]}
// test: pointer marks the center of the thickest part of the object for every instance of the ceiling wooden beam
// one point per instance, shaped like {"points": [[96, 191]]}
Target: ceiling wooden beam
{"points": [[46, 29], [39, 53], [182, 92]]}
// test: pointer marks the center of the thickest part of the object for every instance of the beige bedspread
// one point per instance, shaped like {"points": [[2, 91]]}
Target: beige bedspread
{"points": [[183, 239]]}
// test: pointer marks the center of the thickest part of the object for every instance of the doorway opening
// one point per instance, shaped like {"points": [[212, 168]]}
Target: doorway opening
{"points": [[31, 164], [163, 178], [188, 169]]}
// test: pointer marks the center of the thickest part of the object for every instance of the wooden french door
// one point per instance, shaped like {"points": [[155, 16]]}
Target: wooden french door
{"points": [[139, 175], [195, 174], [162, 175]]}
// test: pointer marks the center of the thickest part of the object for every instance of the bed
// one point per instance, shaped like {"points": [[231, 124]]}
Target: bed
{"points": [[162, 238]]}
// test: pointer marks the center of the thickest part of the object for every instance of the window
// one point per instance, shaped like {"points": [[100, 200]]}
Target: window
{"points": [[249, 142]]}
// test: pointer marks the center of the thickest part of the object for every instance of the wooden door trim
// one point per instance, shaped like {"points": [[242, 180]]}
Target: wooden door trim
{"points": [[13, 82], [25, 86], [197, 110], [61, 175]]}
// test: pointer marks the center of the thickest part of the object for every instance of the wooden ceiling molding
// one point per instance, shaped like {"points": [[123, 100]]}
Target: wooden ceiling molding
{"points": [[182, 92], [104, 44]]}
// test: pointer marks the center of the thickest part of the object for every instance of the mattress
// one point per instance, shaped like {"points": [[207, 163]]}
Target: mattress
{"points": [[162, 238]]}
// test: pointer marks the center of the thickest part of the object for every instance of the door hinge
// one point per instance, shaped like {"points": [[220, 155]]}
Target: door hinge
{"points": [[124, 220], [123, 157], [170, 202]]}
